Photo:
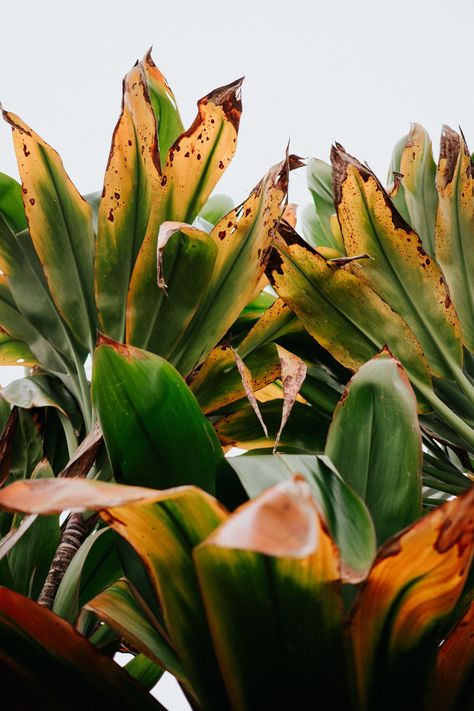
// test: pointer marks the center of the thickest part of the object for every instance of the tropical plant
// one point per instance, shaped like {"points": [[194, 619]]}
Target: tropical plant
{"points": [[246, 608], [395, 267], [191, 560]]}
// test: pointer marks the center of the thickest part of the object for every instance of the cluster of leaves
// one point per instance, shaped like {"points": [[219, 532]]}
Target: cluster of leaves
{"points": [[255, 579]]}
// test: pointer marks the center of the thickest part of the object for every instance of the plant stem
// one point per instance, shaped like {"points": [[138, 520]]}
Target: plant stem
{"points": [[464, 384], [74, 534], [456, 422]]}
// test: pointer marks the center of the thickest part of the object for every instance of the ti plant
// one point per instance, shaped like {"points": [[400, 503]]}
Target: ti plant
{"points": [[245, 609], [255, 579]]}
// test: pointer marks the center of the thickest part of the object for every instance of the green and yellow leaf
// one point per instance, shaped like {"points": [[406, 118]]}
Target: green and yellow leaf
{"points": [[272, 567], [60, 223], [455, 227], [399, 270], [414, 584]]}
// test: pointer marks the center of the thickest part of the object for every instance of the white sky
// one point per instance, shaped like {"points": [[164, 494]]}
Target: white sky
{"points": [[355, 71]]}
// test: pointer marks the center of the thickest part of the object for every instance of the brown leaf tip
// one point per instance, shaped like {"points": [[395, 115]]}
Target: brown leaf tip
{"points": [[230, 98], [450, 147], [104, 340]]}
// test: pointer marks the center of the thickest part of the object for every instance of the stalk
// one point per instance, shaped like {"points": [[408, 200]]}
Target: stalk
{"points": [[444, 411]]}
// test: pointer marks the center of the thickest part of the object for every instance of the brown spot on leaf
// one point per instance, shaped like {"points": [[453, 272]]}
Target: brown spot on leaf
{"points": [[117, 196], [111, 215], [221, 165], [32, 201], [163, 180], [25, 150], [222, 234]]}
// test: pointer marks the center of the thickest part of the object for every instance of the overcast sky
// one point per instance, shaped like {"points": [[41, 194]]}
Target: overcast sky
{"points": [[353, 71]]}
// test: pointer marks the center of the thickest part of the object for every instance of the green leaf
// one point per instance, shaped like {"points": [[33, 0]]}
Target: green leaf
{"points": [[168, 120], [95, 566], [268, 577], [395, 188], [11, 204], [45, 663], [30, 559], [215, 209], [144, 670], [18, 327], [318, 230], [345, 513], [60, 223], [119, 608], [13, 352], [455, 226], [154, 430], [375, 443], [418, 171]]}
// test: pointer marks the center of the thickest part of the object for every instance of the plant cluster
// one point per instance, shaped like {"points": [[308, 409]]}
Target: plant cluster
{"points": [[330, 563]]}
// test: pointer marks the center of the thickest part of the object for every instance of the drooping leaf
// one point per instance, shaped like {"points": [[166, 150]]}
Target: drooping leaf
{"points": [[11, 204], [44, 662], [399, 270], [118, 607], [455, 227], [345, 513], [218, 382], [293, 373], [154, 430], [375, 443], [13, 352], [272, 567], [51, 496], [246, 378], [60, 224], [323, 297], [414, 583], [38, 391], [305, 430]]}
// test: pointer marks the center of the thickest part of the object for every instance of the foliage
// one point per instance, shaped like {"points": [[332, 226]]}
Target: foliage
{"points": [[332, 558]]}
